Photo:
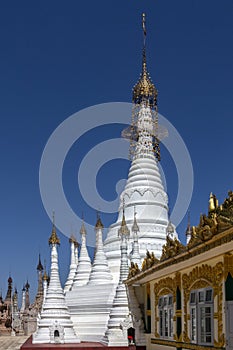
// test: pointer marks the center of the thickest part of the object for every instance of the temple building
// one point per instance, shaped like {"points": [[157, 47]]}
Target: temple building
{"points": [[188, 292]]}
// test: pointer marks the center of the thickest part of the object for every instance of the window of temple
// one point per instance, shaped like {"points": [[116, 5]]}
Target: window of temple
{"points": [[201, 316], [166, 316]]}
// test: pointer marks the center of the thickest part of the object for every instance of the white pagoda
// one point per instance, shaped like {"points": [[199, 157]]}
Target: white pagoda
{"points": [[54, 324], [95, 296]]}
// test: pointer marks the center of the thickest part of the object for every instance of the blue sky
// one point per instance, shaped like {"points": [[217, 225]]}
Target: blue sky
{"points": [[59, 57]]}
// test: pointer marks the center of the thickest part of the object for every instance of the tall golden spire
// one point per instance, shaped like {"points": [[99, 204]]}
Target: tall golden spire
{"points": [[145, 90], [53, 238], [144, 99]]}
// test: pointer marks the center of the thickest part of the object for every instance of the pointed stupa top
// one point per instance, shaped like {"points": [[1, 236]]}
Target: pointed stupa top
{"points": [[27, 285], [135, 227], [45, 276], [53, 238], [40, 266], [170, 229], [145, 90], [123, 230], [72, 239], [99, 224], [83, 230]]}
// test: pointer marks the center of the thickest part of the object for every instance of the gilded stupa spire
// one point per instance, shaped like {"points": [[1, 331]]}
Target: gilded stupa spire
{"points": [[145, 91], [123, 230], [144, 131], [99, 224], [53, 238]]}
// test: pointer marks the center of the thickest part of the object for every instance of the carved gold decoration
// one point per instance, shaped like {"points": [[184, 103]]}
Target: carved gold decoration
{"points": [[200, 277], [149, 261], [133, 270], [172, 248], [53, 238], [220, 218]]}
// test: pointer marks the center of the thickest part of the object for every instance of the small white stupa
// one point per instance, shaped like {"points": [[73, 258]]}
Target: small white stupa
{"points": [[73, 263], [54, 324], [84, 263], [100, 272], [135, 254], [120, 319]]}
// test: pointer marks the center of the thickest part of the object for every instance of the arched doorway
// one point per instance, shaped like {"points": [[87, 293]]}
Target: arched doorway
{"points": [[131, 335], [56, 336]]}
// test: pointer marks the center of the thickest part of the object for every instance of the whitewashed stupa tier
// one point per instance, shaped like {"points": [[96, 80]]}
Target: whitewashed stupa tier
{"points": [[144, 191]]}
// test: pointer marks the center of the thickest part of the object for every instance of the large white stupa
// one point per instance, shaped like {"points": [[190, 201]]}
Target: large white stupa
{"points": [[144, 188], [95, 295]]}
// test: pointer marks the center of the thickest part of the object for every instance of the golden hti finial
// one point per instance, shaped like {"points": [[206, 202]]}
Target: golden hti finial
{"points": [[144, 90], [123, 230], [98, 224], [53, 238]]}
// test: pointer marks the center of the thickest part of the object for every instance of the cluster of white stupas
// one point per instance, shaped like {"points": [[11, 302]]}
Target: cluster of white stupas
{"points": [[95, 305]]}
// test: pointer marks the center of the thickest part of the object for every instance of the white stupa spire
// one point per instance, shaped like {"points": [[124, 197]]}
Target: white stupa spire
{"points": [[144, 188], [135, 255], [54, 324], [119, 317], [100, 272], [76, 245], [23, 300], [84, 263], [45, 283], [73, 264]]}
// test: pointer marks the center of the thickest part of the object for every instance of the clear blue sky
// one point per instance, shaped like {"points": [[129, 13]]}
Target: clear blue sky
{"points": [[58, 57]]}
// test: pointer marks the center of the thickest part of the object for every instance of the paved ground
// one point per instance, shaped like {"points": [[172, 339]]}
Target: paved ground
{"points": [[11, 343]]}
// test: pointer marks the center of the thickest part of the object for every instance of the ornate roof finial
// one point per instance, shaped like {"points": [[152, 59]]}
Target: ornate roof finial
{"points": [[53, 238], [188, 231], [98, 224], [39, 266]]}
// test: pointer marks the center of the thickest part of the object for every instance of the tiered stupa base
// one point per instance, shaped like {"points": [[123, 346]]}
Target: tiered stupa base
{"points": [[82, 346], [89, 308]]}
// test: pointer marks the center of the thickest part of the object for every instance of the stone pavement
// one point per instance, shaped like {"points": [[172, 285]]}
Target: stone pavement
{"points": [[11, 343]]}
